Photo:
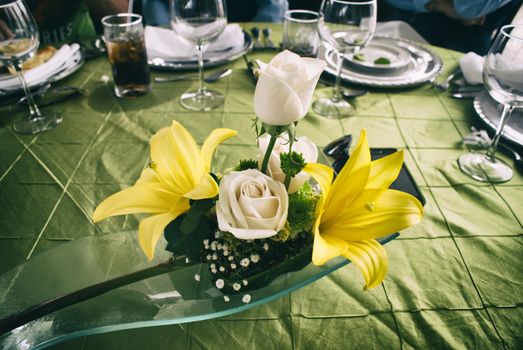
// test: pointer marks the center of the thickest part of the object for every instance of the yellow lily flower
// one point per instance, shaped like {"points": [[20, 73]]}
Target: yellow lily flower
{"points": [[179, 172], [357, 208]]}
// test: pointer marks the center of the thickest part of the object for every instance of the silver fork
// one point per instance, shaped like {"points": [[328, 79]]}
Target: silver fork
{"points": [[444, 85]]}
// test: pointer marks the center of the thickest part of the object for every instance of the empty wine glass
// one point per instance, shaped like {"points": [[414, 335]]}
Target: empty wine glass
{"points": [[503, 79], [19, 41], [347, 26], [199, 22]]}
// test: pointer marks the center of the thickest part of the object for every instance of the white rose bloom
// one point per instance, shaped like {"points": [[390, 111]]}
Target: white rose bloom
{"points": [[285, 86], [303, 145], [251, 205]]}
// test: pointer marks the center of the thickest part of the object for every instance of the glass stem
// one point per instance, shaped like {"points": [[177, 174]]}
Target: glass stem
{"points": [[201, 86], [336, 93], [34, 112], [505, 114]]}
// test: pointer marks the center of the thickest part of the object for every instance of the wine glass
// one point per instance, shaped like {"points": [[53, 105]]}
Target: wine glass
{"points": [[19, 41], [347, 26], [503, 80], [200, 22]]}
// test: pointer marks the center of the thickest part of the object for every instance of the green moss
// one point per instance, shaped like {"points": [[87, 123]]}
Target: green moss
{"points": [[292, 163], [247, 164], [302, 205]]}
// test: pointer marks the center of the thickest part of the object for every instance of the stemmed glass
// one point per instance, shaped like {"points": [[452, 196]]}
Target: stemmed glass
{"points": [[347, 26], [199, 22], [503, 79], [19, 41]]}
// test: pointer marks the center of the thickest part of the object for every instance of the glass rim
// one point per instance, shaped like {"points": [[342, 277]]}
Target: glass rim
{"points": [[352, 2], [136, 19], [289, 13], [504, 29], [9, 3]]}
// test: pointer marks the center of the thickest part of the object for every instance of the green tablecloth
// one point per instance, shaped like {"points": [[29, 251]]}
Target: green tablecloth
{"points": [[455, 280]]}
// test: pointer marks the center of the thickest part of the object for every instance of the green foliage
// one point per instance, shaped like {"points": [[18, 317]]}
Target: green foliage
{"points": [[185, 234], [247, 164], [382, 60], [301, 209], [359, 57], [292, 163]]}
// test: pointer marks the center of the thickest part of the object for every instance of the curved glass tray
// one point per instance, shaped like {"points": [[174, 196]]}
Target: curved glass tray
{"points": [[171, 298]]}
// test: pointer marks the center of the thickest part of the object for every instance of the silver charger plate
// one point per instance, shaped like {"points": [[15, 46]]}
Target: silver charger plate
{"points": [[162, 63], [76, 62], [490, 112], [424, 66]]}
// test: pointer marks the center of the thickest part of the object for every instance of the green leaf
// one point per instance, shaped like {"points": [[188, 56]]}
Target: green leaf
{"points": [[189, 244], [359, 57], [193, 216], [382, 60]]}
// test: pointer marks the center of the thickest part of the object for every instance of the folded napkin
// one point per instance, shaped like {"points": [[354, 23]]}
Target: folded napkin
{"points": [[508, 73], [61, 59], [472, 67], [165, 43]]}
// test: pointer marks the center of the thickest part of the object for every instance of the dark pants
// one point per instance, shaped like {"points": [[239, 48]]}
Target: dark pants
{"points": [[440, 30]]}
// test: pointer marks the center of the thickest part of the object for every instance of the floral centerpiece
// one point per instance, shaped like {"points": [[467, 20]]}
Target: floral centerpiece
{"points": [[277, 211]]}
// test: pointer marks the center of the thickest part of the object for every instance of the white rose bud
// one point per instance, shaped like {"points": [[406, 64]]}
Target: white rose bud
{"points": [[251, 205], [285, 86], [303, 145]]}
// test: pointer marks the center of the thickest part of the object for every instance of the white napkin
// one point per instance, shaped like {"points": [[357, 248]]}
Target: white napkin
{"points": [[60, 60], [509, 73], [165, 43], [472, 67]]}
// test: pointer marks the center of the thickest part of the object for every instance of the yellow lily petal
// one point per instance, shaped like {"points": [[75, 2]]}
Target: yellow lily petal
{"points": [[385, 170], [148, 176], [176, 158], [212, 141], [326, 248], [351, 180], [150, 231], [376, 213], [322, 174], [140, 198], [371, 259], [207, 188]]}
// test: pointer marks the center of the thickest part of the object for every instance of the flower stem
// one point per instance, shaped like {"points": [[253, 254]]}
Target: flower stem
{"points": [[268, 152], [287, 181]]}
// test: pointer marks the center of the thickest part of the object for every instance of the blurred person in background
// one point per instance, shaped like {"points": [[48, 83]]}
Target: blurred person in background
{"points": [[156, 12], [65, 21], [462, 25]]}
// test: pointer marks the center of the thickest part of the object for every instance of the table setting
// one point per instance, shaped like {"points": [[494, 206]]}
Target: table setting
{"points": [[317, 182]]}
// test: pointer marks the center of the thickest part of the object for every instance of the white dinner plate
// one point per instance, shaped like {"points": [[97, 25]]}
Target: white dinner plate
{"points": [[219, 58], [74, 63], [490, 112], [423, 66], [368, 59]]}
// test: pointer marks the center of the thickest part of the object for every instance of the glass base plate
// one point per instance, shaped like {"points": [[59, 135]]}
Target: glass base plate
{"points": [[204, 101], [327, 108], [47, 121], [481, 168]]}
